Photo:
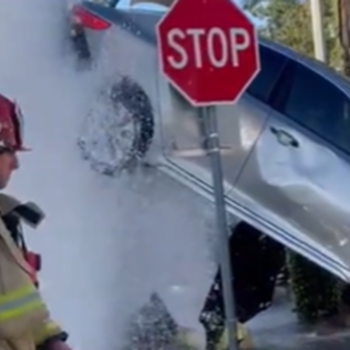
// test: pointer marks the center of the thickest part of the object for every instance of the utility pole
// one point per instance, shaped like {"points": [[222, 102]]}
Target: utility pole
{"points": [[317, 30]]}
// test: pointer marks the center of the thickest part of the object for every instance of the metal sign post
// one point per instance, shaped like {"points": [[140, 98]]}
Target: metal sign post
{"points": [[210, 123], [210, 60]]}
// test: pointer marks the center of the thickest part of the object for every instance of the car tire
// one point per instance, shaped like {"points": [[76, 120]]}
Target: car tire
{"points": [[136, 101], [124, 151]]}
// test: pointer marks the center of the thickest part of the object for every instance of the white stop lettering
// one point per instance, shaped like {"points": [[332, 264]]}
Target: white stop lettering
{"points": [[230, 44]]}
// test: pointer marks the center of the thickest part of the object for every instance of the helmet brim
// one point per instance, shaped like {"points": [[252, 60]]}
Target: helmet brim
{"points": [[23, 149]]}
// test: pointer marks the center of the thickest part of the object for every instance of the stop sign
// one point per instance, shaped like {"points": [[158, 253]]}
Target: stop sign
{"points": [[208, 50]]}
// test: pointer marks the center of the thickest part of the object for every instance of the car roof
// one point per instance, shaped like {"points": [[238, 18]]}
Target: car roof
{"points": [[142, 23]]}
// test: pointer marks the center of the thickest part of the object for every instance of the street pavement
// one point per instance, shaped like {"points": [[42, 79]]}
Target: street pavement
{"points": [[278, 329]]}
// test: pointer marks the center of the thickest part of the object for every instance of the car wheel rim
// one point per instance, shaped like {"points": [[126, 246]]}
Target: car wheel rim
{"points": [[122, 134], [109, 137]]}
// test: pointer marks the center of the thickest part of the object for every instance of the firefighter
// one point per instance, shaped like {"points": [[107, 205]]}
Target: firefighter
{"points": [[25, 322]]}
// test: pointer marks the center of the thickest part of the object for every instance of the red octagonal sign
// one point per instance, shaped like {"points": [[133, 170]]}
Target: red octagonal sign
{"points": [[208, 50]]}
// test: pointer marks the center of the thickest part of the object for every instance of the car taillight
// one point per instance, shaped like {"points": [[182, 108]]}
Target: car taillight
{"points": [[88, 19]]}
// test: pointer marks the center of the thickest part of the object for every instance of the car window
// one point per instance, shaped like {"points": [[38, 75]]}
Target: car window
{"points": [[271, 65], [109, 3], [319, 105]]}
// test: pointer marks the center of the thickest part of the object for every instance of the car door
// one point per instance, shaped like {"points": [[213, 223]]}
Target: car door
{"points": [[251, 124], [297, 176], [183, 136], [239, 126]]}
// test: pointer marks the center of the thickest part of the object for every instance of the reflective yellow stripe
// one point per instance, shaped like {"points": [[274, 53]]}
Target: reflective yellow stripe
{"points": [[241, 334], [19, 293], [47, 330], [19, 302]]}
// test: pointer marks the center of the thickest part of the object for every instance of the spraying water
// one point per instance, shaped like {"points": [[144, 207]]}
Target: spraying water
{"points": [[107, 243]]}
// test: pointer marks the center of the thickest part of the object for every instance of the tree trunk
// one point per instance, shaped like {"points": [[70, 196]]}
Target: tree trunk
{"points": [[344, 33]]}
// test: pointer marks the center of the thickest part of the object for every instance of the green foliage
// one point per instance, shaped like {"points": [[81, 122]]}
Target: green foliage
{"points": [[316, 291], [289, 22]]}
